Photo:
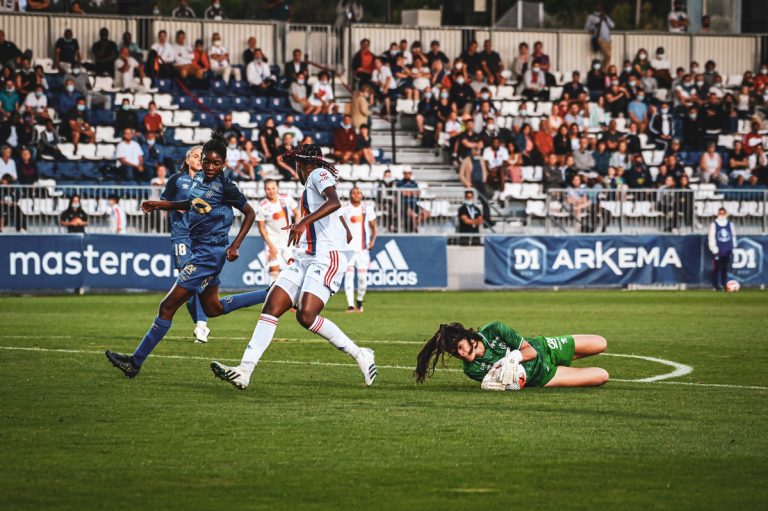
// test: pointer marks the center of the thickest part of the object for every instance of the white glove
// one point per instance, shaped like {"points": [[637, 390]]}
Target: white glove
{"points": [[509, 365]]}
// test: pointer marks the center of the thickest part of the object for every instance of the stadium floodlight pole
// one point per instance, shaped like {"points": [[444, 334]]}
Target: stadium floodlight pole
{"points": [[638, 9]]}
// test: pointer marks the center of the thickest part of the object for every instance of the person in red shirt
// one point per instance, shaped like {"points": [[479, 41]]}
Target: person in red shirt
{"points": [[344, 141], [200, 57], [761, 80], [753, 139], [543, 140], [362, 63], [153, 123]]}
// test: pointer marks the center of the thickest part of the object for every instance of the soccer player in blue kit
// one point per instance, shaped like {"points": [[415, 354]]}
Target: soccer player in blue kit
{"points": [[210, 201], [177, 189]]}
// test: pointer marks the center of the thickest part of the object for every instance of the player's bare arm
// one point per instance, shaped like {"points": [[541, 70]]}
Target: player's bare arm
{"points": [[372, 225], [165, 205]]}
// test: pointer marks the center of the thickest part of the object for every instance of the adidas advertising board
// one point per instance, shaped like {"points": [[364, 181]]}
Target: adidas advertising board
{"points": [[616, 261], [403, 262]]}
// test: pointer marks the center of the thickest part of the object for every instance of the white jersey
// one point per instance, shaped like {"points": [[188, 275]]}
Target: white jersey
{"points": [[327, 234], [116, 220], [357, 219], [276, 215]]}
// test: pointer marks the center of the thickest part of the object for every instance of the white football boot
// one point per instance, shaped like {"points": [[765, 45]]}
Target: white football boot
{"points": [[201, 333], [232, 375], [367, 365]]}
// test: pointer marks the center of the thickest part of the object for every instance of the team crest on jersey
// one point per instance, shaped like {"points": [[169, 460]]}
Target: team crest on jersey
{"points": [[209, 193], [216, 187], [184, 186]]}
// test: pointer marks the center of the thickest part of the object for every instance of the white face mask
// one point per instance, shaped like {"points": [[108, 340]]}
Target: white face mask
{"points": [[460, 80], [460, 66], [643, 56], [346, 126], [217, 43], [485, 96], [596, 66], [70, 88]]}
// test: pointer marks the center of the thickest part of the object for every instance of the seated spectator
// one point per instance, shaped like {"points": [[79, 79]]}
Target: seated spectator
{"points": [[183, 58], [200, 57], [268, 140], [521, 62], [133, 49], [74, 218], [152, 122], [363, 149], [234, 162], [130, 159], [363, 63], [10, 55], [421, 75], [471, 58], [48, 140], [104, 54], [260, 76], [478, 84], [583, 158], [490, 64], [252, 160], [616, 99], [535, 83], [153, 153], [621, 157], [160, 179], [183, 10], [738, 161], [470, 219], [77, 124], [496, 158], [126, 117], [461, 94], [8, 164], [543, 139], [36, 105], [473, 172], [403, 78], [76, 8], [82, 85], [412, 215], [710, 168], [753, 139], [745, 103], [640, 64], [685, 95], [662, 70], [677, 20], [596, 81], [573, 90], [67, 53], [360, 106], [435, 54], [692, 131], [638, 175], [288, 126], [230, 128], [525, 145], [344, 141], [27, 167], [125, 69], [649, 84], [9, 98], [294, 67], [250, 51], [552, 175], [662, 127], [634, 86], [26, 132], [602, 158], [466, 140], [161, 56], [286, 170], [297, 96], [542, 59], [638, 112], [25, 78], [484, 114], [215, 11], [426, 113], [403, 50], [758, 166], [675, 167], [490, 131], [578, 199], [385, 83]]}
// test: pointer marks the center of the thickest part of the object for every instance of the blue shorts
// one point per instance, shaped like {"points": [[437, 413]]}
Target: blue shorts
{"points": [[203, 268], [181, 252]]}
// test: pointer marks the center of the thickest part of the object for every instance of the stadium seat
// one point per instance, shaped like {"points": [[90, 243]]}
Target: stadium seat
{"points": [[219, 87], [120, 96], [102, 117], [536, 208], [185, 136], [344, 171], [46, 169], [106, 134], [68, 170], [104, 84], [164, 85], [105, 151], [239, 88], [68, 151], [184, 118], [142, 100], [220, 103], [239, 103], [259, 104], [165, 102], [207, 120], [87, 151]]}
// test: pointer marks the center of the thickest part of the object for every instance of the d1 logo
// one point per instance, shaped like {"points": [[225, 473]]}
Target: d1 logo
{"points": [[747, 258], [527, 259]]}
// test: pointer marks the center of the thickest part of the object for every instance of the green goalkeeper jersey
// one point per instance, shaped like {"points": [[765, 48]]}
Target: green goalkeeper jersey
{"points": [[497, 338]]}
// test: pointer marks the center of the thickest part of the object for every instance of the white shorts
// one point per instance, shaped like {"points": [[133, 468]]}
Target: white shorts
{"points": [[284, 254], [319, 274], [361, 260]]}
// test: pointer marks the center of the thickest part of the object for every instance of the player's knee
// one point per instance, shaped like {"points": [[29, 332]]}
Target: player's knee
{"points": [[601, 376], [305, 318], [166, 310], [600, 343], [213, 310]]}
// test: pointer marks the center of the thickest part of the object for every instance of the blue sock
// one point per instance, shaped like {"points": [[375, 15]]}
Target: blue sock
{"points": [[192, 308], [154, 335], [234, 302], [199, 312]]}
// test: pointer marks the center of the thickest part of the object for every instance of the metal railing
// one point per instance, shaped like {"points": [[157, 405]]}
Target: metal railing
{"points": [[648, 211]]}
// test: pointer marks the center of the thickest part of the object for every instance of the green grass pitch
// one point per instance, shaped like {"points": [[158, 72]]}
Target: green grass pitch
{"points": [[307, 434]]}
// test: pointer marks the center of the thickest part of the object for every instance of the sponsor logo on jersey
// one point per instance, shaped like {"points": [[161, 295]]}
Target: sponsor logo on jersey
{"points": [[258, 272], [389, 268], [201, 206]]}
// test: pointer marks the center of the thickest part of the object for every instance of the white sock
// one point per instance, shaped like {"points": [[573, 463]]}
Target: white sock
{"points": [[362, 284], [326, 328], [349, 286], [260, 340], [202, 323]]}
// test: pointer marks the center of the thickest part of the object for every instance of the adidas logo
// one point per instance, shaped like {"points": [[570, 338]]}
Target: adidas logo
{"points": [[258, 273], [389, 268]]}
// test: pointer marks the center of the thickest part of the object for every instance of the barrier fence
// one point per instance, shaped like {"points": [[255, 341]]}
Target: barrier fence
{"points": [[425, 210]]}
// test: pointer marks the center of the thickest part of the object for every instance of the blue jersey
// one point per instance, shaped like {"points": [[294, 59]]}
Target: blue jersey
{"points": [[210, 212], [724, 238], [177, 189]]}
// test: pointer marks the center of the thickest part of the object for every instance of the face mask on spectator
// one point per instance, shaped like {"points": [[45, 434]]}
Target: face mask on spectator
{"points": [[427, 95], [688, 84], [217, 43], [699, 83], [346, 126], [156, 12], [628, 69], [536, 69], [632, 83], [75, 71], [641, 97], [70, 88], [469, 202], [693, 116], [664, 110], [643, 56], [150, 142], [39, 93], [764, 70], [460, 66], [233, 145], [460, 80], [444, 95], [75, 205], [81, 108], [216, 5], [596, 65], [324, 82], [614, 82], [485, 96], [126, 107], [694, 69], [9, 89], [301, 81]]}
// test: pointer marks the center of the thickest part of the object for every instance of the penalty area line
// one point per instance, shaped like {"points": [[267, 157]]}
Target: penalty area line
{"points": [[652, 380]]}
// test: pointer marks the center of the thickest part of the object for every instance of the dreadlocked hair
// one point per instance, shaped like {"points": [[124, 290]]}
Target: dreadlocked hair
{"points": [[445, 340], [216, 144], [312, 154]]}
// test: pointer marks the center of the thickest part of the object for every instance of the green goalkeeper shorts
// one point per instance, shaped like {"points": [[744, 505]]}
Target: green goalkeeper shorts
{"points": [[558, 351]]}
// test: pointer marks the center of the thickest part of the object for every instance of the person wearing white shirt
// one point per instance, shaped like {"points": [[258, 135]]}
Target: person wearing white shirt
{"points": [[116, 215], [259, 75], [183, 58], [322, 93], [130, 158], [406, 53], [163, 48], [382, 78], [288, 127], [125, 66], [677, 20], [7, 164], [497, 160], [219, 56], [36, 104]]}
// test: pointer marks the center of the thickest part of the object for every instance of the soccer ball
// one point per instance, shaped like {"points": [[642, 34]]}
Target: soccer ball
{"points": [[732, 286]]}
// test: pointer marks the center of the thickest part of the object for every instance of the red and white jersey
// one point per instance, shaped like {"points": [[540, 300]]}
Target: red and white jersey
{"points": [[328, 233], [116, 219], [358, 219], [276, 215]]}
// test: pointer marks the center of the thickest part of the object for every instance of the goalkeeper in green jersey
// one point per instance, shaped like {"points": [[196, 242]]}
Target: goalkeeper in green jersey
{"points": [[502, 359]]}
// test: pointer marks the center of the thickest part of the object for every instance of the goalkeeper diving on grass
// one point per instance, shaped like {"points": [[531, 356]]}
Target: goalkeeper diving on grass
{"points": [[501, 359]]}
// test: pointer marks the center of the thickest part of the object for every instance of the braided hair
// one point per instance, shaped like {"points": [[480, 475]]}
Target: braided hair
{"points": [[312, 154], [216, 144], [445, 340]]}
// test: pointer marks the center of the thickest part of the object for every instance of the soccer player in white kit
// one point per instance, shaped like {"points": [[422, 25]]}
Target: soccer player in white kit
{"points": [[361, 220], [275, 213], [313, 275]]}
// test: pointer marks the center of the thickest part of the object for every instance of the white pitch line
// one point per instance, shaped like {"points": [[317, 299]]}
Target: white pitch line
{"points": [[680, 369], [184, 338], [339, 364]]}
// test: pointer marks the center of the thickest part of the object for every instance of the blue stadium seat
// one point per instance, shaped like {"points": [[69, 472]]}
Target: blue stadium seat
{"points": [[219, 87], [220, 104], [259, 104], [46, 169], [164, 85], [275, 70], [68, 170], [279, 105], [88, 170], [317, 122], [55, 82], [186, 103], [323, 138], [101, 117], [168, 135], [259, 118], [140, 114], [240, 103], [239, 88], [247, 132], [206, 120], [333, 120], [279, 118]]}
